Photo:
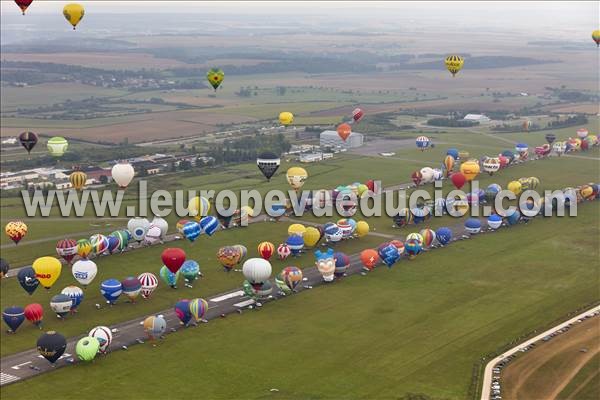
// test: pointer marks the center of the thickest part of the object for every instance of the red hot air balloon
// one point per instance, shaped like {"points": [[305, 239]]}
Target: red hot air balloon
{"points": [[34, 314], [369, 258], [417, 177], [458, 179], [173, 258], [23, 4], [344, 130], [357, 114], [371, 185]]}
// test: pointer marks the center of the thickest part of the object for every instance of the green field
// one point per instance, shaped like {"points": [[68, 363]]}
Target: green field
{"points": [[585, 385], [417, 328]]}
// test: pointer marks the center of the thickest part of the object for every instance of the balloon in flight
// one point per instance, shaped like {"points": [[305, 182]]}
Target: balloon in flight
{"points": [[215, 77], [454, 63], [28, 140], [122, 173], [57, 146]]}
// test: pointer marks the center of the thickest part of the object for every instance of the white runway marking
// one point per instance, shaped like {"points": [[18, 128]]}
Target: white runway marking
{"points": [[227, 296], [244, 303], [17, 367], [7, 378]]}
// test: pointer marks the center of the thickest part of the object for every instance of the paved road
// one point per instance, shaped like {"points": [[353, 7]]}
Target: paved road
{"points": [[29, 363], [487, 375]]}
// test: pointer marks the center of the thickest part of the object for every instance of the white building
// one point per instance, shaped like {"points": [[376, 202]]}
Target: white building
{"points": [[333, 140], [482, 119]]}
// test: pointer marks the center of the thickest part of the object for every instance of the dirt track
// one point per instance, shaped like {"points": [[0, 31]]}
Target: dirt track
{"points": [[547, 369]]}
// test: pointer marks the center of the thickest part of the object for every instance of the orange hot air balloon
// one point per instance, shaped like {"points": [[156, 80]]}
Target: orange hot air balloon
{"points": [[369, 258], [449, 164], [344, 130]]}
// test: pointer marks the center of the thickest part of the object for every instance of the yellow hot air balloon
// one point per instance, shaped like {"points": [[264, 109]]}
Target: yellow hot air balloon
{"points": [[596, 37], [296, 176], [47, 270], [215, 77], [311, 236], [362, 228], [286, 118], [515, 187], [198, 207], [16, 230], [296, 229], [454, 64], [470, 169], [73, 13], [78, 179]]}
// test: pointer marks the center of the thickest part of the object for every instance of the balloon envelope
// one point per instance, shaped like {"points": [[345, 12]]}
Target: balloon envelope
{"points": [[51, 345]]}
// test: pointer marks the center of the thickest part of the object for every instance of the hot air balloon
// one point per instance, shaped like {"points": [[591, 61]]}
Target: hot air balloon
{"points": [[291, 277], [28, 139], [113, 244], [229, 257], [198, 308], [104, 337], [13, 317], [296, 176], [51, 345], [191, 231], [470, 170], [473, 226], [443, 235], [23, 4], [27, 279], [209, 225], [515, 187], [423, 142], [35, 314], [582, 133], [344, 130], [369, 258], [111, 289], [215, 77], [162, 224], [198, 207], [458, 179], [333, 233], [295, 243], [76, 296], [155, 326], [428, 237], [596, 37], [84, 248], [57, 146], [286, 118], [73, 13], [389, 254], [149, 283], [449, 164], [325, 262], [283, 251], [426, 175], [494, 221], [513, 217], [357, 115], [417, 177], [122, 173], [268, 163], [311, 236], [526, 125], [296, 229], [16, 230], [266, 250], [345, 227], [190, 271], [131, 288], [61, 304], [169, 277], [550, 138], [173, 258], [180, 224], [454, 64], [4, 267], [67, 249], [256, 270], [491, 165], [153, 235], [182, 310], [78, 179], [99, 243], [87, 348], [412, 248], [362, 229], [47, 270], [137, 227]]}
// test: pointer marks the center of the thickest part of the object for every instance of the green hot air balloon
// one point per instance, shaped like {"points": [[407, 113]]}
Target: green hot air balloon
{"points": [[87, 348], [280, 282], [57, 146]]}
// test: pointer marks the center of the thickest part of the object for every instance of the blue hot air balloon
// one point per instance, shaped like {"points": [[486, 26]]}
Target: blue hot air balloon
{"points": [[28, 280], [13, 317], [113, 243], [208, 225], [473, 225], [191, 231], [513, 217], [295, 243], [453, 153], [389, 254], [443, 235], [494, 221], [342, 262], [182, 309], [412, 248], [111, 289], [190, 270]]}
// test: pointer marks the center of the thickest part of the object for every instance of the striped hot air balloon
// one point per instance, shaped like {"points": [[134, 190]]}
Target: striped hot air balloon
{"points": [[198, 308], [84, 248], [67, 249], [99, 243], [149, 283], [266, 250], [78, 179]]}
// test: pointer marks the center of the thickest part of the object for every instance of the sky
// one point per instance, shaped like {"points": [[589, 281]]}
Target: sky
{"points": [[550, 16]]}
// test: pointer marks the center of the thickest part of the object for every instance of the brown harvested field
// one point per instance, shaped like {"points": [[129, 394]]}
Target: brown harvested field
{"points": [[587, 108], [545, 371]]}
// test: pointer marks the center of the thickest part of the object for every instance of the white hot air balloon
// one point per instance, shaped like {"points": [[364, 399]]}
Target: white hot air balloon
{"points": [[104, 336], [149, 283], [84, 271], [122, 173], [427, 175], [138, 227], [162, 224], [256, 270], [153, 235]]}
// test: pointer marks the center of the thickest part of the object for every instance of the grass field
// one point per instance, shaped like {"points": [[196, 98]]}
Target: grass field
{"points": [[417, 328]]}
